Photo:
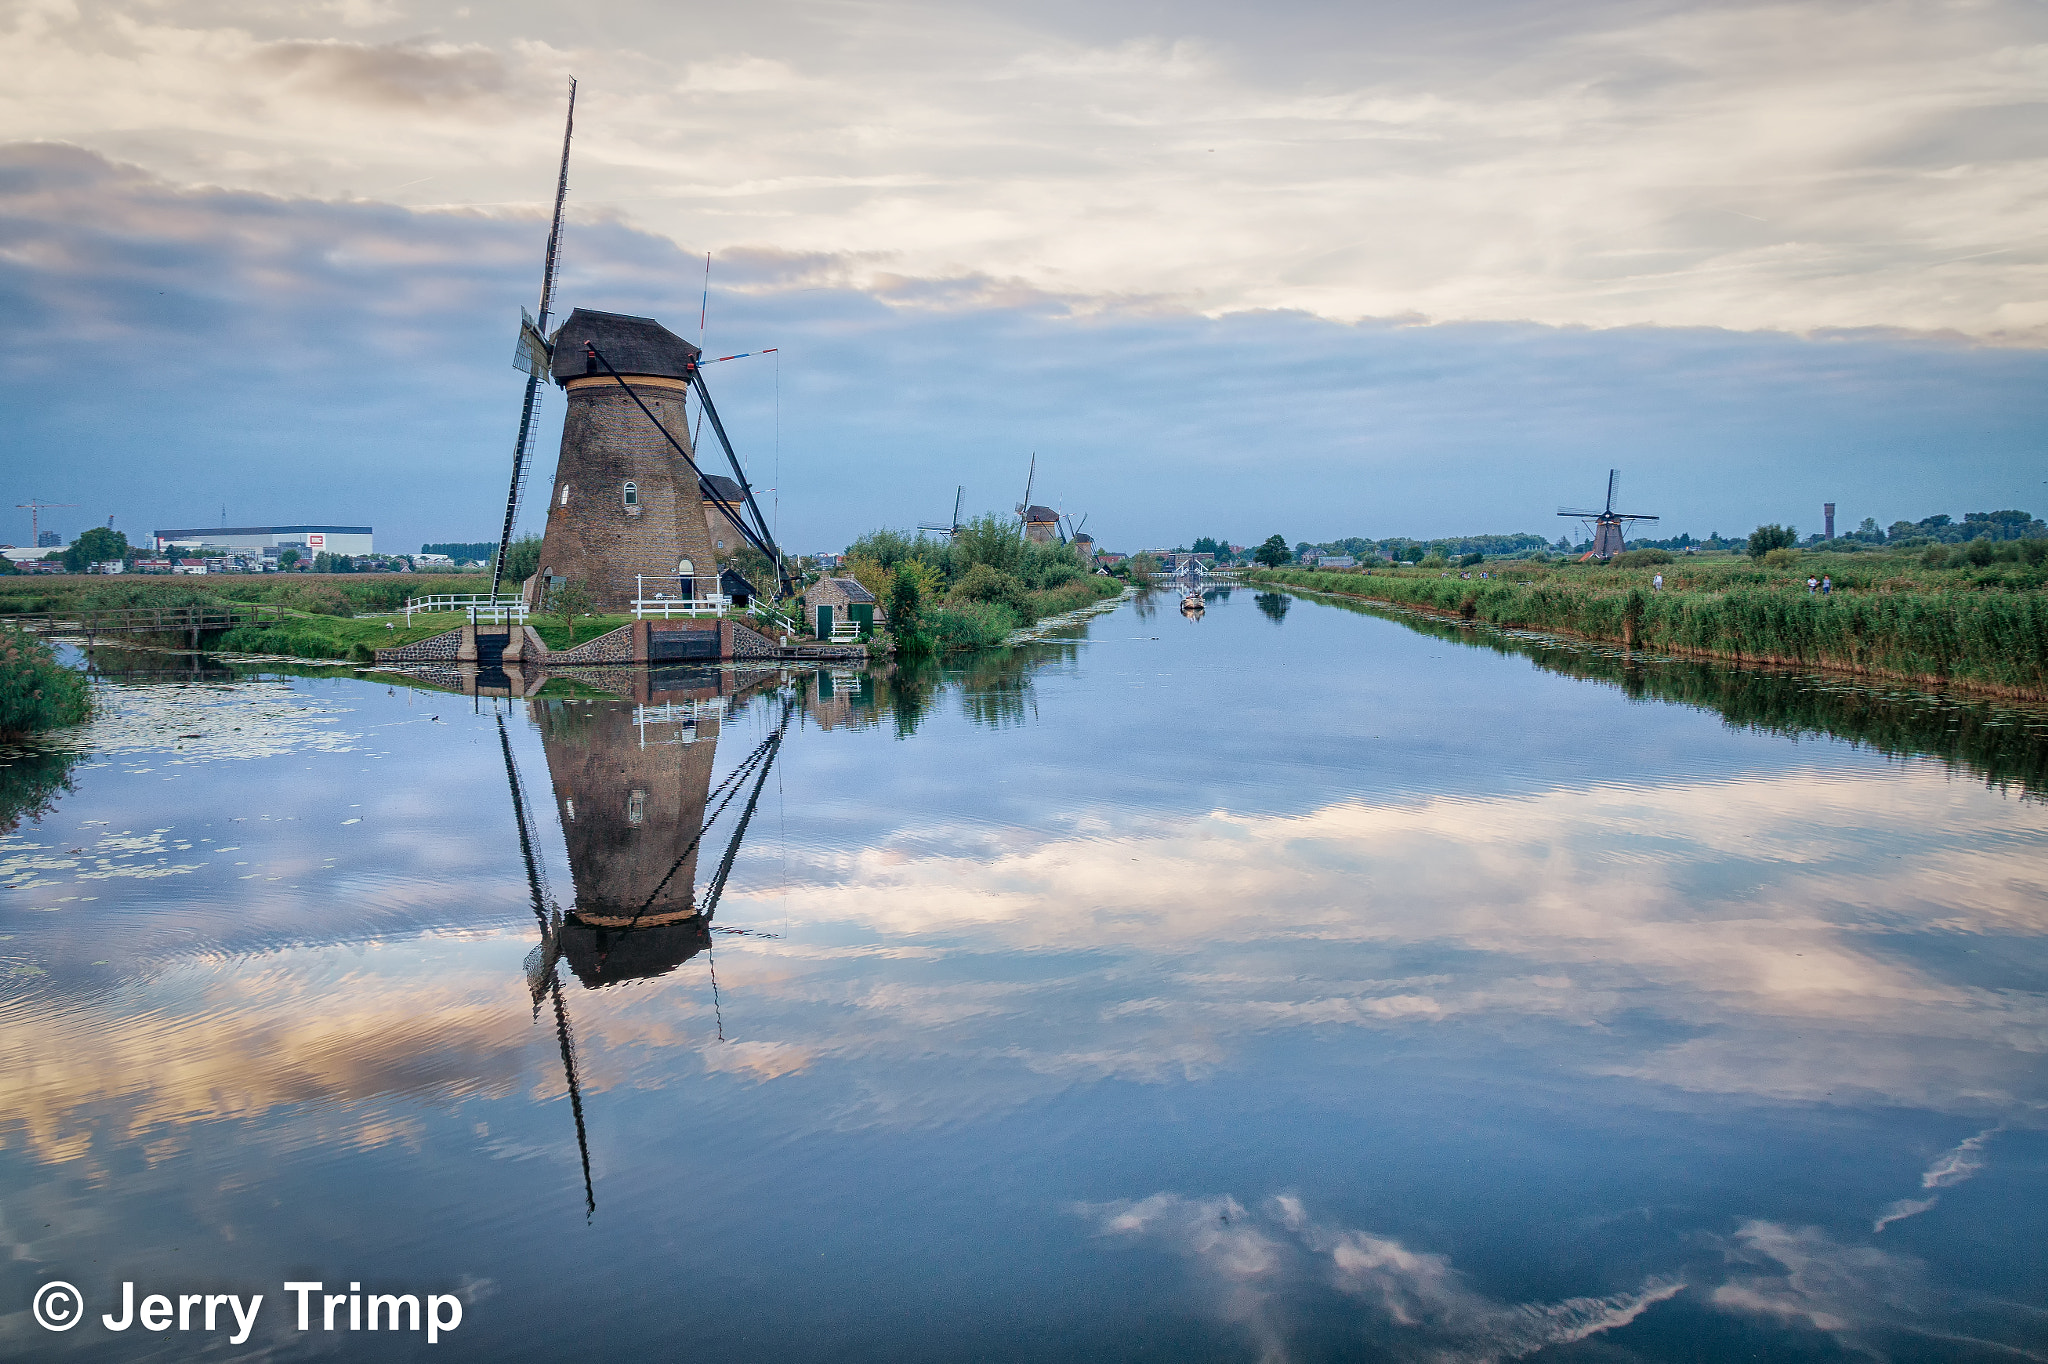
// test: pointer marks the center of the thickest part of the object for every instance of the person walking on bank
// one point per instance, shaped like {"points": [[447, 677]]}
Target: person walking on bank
{"points": [[1657, 583], [1812, 586], [1827, 586]]}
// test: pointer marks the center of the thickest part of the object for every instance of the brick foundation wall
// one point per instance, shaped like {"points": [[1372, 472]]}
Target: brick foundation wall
{"points": [[439, 648]]}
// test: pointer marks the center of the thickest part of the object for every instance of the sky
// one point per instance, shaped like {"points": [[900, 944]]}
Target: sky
{"points": [[1319, 270]]}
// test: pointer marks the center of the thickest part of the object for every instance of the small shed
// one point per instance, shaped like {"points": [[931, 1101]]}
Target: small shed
{"points": [[732, 584], [833, 600]]}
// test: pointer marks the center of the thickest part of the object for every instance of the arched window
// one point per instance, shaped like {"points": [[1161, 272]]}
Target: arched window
{"points": [[684, 568], [632, 493]]}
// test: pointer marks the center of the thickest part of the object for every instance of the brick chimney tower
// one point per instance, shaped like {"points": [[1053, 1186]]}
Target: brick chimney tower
{"points": [[625, 511]]}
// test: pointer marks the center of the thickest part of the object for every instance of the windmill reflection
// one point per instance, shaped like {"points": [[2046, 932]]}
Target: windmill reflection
{"points": [[633, 787]]}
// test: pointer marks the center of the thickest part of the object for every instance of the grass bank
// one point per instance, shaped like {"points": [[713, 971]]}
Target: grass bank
{"points": [[1984, 628]]}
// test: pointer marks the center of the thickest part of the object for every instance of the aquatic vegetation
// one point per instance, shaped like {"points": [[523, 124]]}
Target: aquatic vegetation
{"points": [[37, 692]]}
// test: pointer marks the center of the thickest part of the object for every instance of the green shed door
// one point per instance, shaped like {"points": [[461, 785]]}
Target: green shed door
{"points": [[863, 614], [824, 622]]}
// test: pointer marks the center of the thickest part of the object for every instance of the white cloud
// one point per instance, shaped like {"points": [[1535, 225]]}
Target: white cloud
{"points": [[1811, 164]]}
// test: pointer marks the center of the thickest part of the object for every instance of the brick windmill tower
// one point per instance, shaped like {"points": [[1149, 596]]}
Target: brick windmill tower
{"points": [[626, 511]]}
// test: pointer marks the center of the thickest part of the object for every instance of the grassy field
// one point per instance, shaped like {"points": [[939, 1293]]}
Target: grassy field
{"points": [[1983, 626]]}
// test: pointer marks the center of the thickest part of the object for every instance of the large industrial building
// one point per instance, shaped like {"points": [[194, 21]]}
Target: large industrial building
{"points": [[308, 540]]}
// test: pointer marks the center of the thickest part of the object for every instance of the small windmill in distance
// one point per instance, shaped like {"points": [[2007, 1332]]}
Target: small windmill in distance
{"points": [[949, 530], [1609, 538], [1041, 524]]}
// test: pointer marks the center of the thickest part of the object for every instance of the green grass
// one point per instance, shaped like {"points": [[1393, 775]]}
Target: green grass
{"points": [[1890, 614], [557, 635], [315, 636]]}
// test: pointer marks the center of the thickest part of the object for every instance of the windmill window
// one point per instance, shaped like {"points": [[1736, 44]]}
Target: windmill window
{"points": [[632, 495], [565, 494], [636, 807]]}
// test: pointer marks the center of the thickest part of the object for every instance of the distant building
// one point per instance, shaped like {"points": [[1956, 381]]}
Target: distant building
{"points": [[828, 560], [1333, 561], [308, 540], [49, 539]]}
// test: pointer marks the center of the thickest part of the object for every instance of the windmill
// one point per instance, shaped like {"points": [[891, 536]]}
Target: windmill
{"points": [[1041, 524], [666, 927], [532, 353], [954, 528], [1608, 524]]}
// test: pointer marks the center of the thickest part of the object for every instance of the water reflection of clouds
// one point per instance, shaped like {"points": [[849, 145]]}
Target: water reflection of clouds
{"points": [[1265, 1267], [331, 1032], [1739, 910]]}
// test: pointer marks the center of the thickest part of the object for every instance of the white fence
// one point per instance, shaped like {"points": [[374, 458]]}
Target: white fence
{"points": [[659, 607], [478, 607]]}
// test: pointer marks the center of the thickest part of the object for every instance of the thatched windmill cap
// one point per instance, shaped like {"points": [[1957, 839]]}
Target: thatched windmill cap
{"points": [[634, 345]]}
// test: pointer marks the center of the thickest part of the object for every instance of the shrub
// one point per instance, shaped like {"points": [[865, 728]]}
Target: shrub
{"points": [[1784, 556], [1472, 561], [986, 585], [1638, 558], [37, 692]]}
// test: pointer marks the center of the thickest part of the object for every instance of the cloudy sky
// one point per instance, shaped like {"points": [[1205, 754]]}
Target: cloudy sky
{"points": [[1377, 268]]}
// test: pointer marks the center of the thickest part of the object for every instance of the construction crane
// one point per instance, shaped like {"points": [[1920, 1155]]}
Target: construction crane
{"points": [[35, 510]]}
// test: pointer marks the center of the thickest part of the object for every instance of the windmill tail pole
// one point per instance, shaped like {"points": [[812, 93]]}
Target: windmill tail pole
{"points": [[731, 511]]}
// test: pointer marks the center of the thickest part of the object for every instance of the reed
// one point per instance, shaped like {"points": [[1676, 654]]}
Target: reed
{"points": [[1992, 640]]}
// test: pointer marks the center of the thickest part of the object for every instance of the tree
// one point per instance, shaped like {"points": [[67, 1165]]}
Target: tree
{"points": [[905, 603], [522, 561], [95, 546], [1474, 560], [288, 559], [570, 600], [1273, 552], [1764, 539]]}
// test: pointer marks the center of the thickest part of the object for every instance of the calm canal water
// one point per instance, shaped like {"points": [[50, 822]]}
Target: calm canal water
{"points": [[1299, 983]]}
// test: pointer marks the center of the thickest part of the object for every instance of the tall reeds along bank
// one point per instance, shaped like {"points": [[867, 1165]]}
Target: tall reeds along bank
{"points": [[1996, 641], [37, 692]]}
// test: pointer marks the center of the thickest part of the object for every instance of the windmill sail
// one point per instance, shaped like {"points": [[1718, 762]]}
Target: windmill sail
{"points": [[532, 354]]}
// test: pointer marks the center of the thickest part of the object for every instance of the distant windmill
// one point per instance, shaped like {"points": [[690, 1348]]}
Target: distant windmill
{"points": [[533, 353], [1073, 526], [1041, 524], [954, 528], [1608, 524]]}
